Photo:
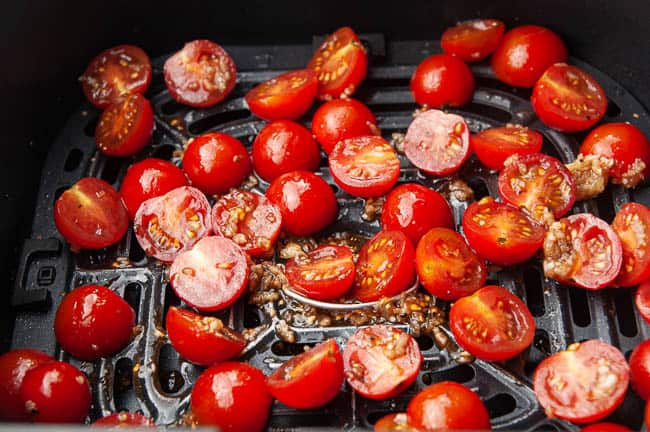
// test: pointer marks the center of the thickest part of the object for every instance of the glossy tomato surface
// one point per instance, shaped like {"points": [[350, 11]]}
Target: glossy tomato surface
{"points": [[642, 300], [605, 427], [442, 80], [394, 422], [14, 365], [493, 146], [473, 40], [341, 119], [125, 127], [325, 273], [284, 97], [640, 369], [124, 419], [632, 225]]}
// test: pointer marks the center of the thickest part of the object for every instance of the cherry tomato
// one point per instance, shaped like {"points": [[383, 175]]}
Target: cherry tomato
{"points": [[640, 369], [248, 219], [125, 420], [583, 384], [582, 250], [216, 162], [90, 215], [284, 146], [231, 396], [92, 322], [646, 414], [448, 405], [148, 179], [442, 80], [385, 267], [210, 276], [115, 72], [340, 63], [55, 392], [642, 300], [436, 142], [13, 367], [284, 97], [501, 233], [381, 361], [125, 127], [605, 427], [365, 166], [525, 53], [203, 340], [311, 379], [306, 202], [493, 146], [394, 422], [172, 223], [626, 145], [201, 74], [492, 324], [341, 119], [446, 266], [632, 225], [325, 273], [473, 40]]}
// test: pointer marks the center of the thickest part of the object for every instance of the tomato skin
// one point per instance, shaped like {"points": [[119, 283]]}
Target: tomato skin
{"points": [[394, 422], [247, 408], [124, 420], [341, 119], [319, 379], [284, 146], [473, 40], [642, 300], [442, 80], [14, 365], [493, 146], [302, 271], [640, 369], [125, 127], [646, 414], [284, 97], [605, 427], [632, 225]]}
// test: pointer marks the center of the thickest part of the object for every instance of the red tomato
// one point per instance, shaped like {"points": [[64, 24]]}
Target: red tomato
{"points": [[365, 166], [284, 146], [216, 162], [642, 300], [583, 384], [626, 145], [640, 369], [525, 53], [582, 250], [436, 142], [646, 414], [605, 427], [311, 379], [446, 266], [340, 64], [385, 267], [632, 225], [115, 72], [284, 97], [325, 273], [394, 422], [306, 202], [91, 215], [448, 405], [125, 127], [341, 119], [172, 223], [55, 392], [473, 40], [124, 419], [492, 324], [493, 146], [248, 219], [201, 74], [210, 276], [442, 80], [414, 210], [13, 367], [231, 396], [203, 340], [148, 179], [92, 322], [501, 233], [381, 361]]}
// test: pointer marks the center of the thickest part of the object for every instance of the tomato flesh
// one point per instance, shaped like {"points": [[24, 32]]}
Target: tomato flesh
{"points": [[125, 127], [325, 273], [493, 146], [14, 365], [473, 40], [632, 225], [642, 300], [442, 80], [341, 119], [284, 97], [124, 420]]}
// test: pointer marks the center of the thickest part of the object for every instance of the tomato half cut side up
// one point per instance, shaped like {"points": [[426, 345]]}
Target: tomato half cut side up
{"points": [[632, 225], [473, 40], [493, 146], [325, 273], [125, 127], [583, 384], [284, 97], [381, 361], [642, 300]]}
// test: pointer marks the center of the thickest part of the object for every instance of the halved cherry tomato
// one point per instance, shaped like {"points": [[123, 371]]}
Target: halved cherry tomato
{"points": [[501, 233], [124, 419], [381, 361], [91, 215], [284, 97], [473, 40], [583, 384], [341, 119], [437, 142], [203, 340], [201, 74], [365, 166], [446, 266], [492, 324], [385, 267], [442, 80], [642, 300], [493, 146], [172, 223], [210, 276], [582, 250], [394, 422], [13, 367], [632, 224], [125, 127], [340, 64], [115, 72], [311, 379], [325, 273], [525, 53], [640, 369], [605, 427], [248, 219]]}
